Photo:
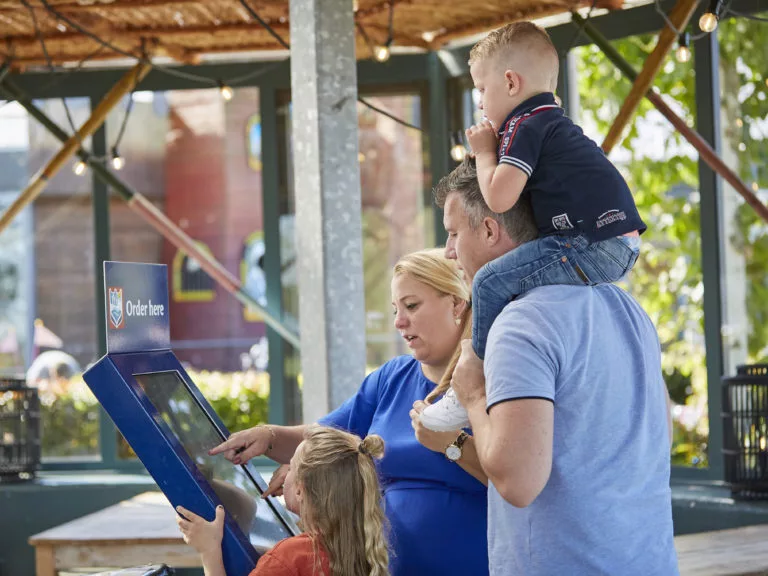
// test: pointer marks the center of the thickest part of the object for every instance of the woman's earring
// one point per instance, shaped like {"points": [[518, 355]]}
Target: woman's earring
{"points": [[458, 320]]}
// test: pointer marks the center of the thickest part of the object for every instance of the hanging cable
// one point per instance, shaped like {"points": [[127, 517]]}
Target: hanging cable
{"points": [[580, 30]]}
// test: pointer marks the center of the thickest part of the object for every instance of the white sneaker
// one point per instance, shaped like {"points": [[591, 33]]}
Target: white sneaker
{"points": [[445, 415]]}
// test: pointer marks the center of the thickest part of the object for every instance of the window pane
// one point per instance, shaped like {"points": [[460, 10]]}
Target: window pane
{"points": [[661, 169], [198, 158], [396, 216], [744, 124], [65, 293]]}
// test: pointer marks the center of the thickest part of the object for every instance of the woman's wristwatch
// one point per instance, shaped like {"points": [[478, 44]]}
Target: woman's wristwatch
{"points": [[453, 451]]}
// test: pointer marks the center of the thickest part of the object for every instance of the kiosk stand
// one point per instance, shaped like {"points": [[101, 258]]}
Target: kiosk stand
{"points": [[170, 425]]}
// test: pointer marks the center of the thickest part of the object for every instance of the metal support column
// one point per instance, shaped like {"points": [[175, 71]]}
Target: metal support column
{"points": [[328, 206], [439, 134]]}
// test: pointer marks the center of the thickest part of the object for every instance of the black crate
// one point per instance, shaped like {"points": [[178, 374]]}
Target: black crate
{"points": [[19, 430]]}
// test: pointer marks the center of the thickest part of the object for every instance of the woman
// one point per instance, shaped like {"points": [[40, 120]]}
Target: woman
{"points": [[436, 507]]}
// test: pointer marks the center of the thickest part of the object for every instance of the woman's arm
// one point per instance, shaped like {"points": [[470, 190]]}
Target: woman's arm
{"points": [[439, 441], [277, 442]]}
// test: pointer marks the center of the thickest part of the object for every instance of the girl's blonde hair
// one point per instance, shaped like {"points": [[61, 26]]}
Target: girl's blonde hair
{"points": [[432, 268], [342, 507]]}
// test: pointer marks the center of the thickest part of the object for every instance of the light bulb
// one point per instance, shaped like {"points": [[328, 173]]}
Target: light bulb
{"points": [[458, 152], [226, 92], [381, 53], [708, 22], [355, 5], [117, 161], [79, 168], [683, 54]]}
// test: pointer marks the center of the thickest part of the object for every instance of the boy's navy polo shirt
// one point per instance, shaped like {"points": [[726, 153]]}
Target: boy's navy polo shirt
{"points": [[574, 188]]}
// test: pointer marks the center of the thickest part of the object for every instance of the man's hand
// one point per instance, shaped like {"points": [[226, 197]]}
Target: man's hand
{"points": [[482, 138], [468, 379], [275, 487], [435, 441]]}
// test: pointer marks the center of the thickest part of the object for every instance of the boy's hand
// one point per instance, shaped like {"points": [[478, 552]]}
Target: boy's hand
{"points": [[482, 138], [203, 536]]}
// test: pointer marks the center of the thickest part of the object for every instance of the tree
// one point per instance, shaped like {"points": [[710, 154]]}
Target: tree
{"points": [[661, 168]]}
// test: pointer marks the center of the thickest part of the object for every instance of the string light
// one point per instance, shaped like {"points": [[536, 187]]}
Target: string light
{"points": [[79, 168], [226, 91], [118, 162], [683, 52], [381, 53], [458, 150], [708, 20]]}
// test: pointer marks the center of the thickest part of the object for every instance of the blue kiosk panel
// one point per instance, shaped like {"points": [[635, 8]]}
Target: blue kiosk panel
{"points": [[171, 426]]}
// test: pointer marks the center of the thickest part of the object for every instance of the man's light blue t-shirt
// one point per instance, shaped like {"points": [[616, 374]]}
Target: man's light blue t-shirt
{"points": [[606, 508]]}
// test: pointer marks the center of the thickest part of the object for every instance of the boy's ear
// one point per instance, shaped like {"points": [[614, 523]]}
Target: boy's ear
{"points": [[513, 82]]}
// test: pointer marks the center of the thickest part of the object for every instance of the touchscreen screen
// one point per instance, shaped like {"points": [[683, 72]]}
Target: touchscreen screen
{"points": [[196, 432]]}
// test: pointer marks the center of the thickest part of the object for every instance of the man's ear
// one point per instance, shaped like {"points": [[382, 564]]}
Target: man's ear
{"points": [[491, 231], [514, 82]]}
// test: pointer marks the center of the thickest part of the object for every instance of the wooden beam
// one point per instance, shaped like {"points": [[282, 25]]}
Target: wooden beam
{"points": [[132, 34], [74, 6], [38, 182], [379, 8], [486, 24], [679, 16]]}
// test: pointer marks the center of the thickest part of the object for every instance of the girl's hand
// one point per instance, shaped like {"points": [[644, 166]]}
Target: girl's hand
{"points": [[482, 138], [435, 441], [244, 445], [203, 536], [276, 482]]}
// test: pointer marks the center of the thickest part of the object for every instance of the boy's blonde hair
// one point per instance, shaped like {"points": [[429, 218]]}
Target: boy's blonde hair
{"points": [[342, 507], [519, 37]]}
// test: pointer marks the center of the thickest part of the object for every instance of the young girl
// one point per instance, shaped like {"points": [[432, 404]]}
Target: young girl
{"points": [[333, 486]]}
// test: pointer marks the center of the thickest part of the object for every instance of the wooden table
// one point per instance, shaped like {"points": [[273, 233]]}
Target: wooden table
{"points": [[737, 552], [135, 532]]}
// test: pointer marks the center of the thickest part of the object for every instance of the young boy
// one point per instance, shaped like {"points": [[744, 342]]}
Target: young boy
{"points": [[588, 223]]}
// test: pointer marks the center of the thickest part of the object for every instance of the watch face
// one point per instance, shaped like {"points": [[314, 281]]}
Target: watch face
{"points": [[453, 452]]}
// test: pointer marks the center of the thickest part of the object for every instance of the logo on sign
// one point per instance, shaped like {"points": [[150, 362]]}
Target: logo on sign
{"points": [[116, 316]]}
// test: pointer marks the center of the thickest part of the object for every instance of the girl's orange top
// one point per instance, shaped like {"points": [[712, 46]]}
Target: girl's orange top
{"points": [[293, 556]]}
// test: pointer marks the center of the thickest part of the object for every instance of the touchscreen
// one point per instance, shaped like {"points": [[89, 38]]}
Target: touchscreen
{"points": [[237, 491]]}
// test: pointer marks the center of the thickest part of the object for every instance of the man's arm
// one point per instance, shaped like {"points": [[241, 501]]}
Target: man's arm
{"points": [[514, 444]]}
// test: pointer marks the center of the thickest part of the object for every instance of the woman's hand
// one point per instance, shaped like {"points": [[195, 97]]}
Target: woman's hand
{"points": [[435, 441], [246, 444], [203, 536], [275, 487]]}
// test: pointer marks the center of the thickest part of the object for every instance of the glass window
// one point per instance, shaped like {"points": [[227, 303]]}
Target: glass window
{"points": [[197, 157], [64, 292], [396, 217], [744, 139], [661, 168]]}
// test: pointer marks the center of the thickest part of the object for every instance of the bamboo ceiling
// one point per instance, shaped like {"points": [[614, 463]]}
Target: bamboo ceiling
{"points": [[187, 30]]}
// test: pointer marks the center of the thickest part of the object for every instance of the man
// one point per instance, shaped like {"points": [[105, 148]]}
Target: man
{"points": [[567, 411]]}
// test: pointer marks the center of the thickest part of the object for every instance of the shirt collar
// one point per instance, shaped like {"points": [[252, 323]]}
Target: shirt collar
{"points": [[542, 99]]}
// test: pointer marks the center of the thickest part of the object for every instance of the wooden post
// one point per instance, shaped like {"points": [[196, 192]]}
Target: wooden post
{"points": [[71, 146], [679, 16]]}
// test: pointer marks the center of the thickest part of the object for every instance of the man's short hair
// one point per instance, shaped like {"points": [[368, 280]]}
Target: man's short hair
{"points": [[518, 222], [525, 37]]}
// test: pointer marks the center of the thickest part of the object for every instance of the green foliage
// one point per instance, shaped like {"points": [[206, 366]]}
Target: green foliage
{"points": [[70, 413], [661, 168]]}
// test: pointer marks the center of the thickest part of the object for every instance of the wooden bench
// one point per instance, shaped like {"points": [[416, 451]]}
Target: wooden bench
{"points": [[143, 530], [736, 552], [138, 531]]}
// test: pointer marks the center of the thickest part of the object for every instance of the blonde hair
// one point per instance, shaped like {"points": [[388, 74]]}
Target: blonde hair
{"points": [[342, 507], [516, 37], [432, 268]]}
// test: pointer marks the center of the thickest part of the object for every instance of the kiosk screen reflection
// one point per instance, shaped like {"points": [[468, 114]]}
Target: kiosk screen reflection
{"points": [[258, 519]]}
